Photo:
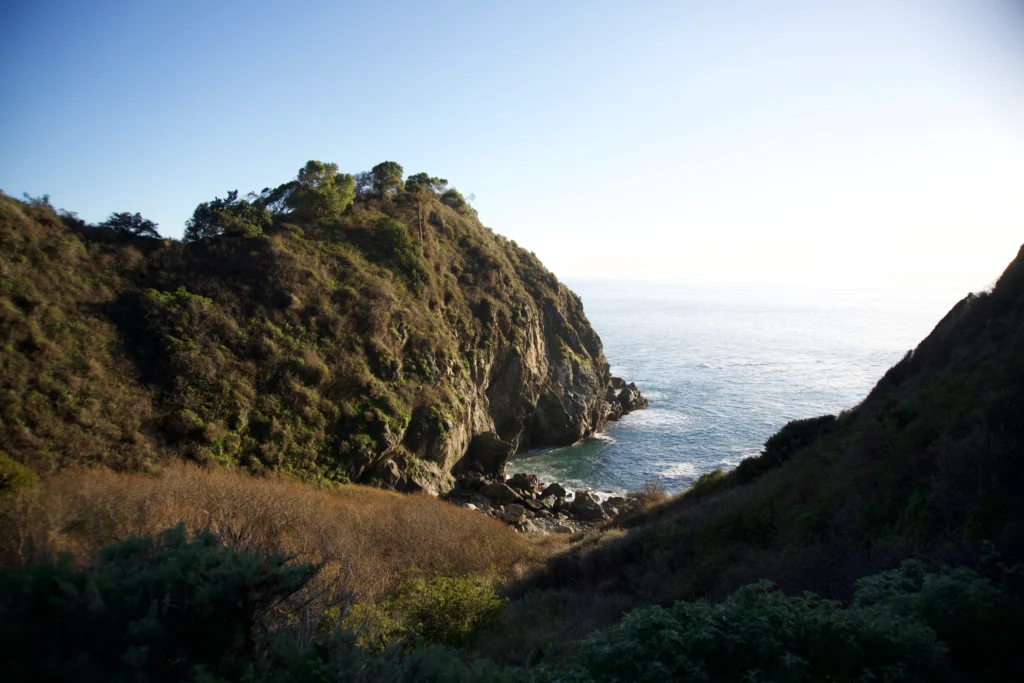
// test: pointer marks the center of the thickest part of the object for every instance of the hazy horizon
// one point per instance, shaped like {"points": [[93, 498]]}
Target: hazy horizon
{"points": [[822, 144]]}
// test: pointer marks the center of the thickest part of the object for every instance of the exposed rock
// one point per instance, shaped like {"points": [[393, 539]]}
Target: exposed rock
{"points": [[616, 501], [531, 504], [470, 481], [488, 453], [499, 492], [586, 505], [553, 490], [526, 526], [562, 529], [527, 483], [617, 383], [513, 513], [631, 399], [388, 473], [481, 501]]}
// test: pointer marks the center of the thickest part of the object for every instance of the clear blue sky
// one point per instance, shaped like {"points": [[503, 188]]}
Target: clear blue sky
{"points": [[818, 142]]}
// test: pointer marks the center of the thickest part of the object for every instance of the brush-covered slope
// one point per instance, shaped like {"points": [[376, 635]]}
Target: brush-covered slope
{"points": [[929, 465], [329, 328]]}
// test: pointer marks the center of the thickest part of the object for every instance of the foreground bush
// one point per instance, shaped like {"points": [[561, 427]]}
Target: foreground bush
{"points": [[903, 625], [442, 611], [176, 608], [152, 609]]}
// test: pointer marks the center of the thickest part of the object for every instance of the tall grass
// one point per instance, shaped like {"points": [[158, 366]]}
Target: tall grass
{"points": [[375, 539]]}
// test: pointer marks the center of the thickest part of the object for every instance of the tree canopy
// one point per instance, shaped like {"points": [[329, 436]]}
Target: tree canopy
{"points": [[127, 223], [230, 216], [387, 178], [320, 192]]}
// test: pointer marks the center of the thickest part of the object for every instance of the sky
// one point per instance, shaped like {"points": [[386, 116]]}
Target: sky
{"points": [[824, 143]]}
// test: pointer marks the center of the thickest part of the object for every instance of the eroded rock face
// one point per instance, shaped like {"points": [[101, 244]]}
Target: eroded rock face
{"points": [[543, 381]]}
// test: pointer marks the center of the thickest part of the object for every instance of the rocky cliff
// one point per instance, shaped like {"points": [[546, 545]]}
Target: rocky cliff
{"points": [[380, 336]]}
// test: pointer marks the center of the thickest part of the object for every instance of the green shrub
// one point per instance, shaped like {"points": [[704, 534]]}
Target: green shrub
{"points": [[981, 623], [150, 609], [761, 634], [14, 475], [442, 611]]}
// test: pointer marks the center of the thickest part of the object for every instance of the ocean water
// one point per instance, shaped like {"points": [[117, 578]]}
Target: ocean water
{"points": [[725, 367]]}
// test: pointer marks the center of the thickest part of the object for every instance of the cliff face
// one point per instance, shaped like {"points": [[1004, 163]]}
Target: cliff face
{"points": [[397, 342]]}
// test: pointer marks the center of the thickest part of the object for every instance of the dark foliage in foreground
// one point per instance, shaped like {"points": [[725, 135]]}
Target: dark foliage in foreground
{"points": [[171, 608]]}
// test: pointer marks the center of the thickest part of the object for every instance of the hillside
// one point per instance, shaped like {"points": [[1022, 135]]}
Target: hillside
{"points": [[930, 465], [337, 328]]}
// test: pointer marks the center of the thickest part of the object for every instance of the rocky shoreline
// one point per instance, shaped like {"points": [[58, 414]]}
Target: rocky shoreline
{"points": [[529, 505]]}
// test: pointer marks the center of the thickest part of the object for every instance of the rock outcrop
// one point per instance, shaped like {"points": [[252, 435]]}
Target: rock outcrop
{"points": [[524, 502]]}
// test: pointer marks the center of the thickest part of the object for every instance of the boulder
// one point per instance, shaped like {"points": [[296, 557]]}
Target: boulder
{"points": [[586, 505], [562, 529], [482, 502], [488, 453], [514, 513], [618, 383], [531, 504], [631, 399], [527, 483], [471, 481], [616, 501], [499, 492], [553, 490]]}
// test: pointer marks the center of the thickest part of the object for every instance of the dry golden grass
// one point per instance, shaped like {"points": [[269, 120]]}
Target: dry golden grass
{"points": [[373, 539]]}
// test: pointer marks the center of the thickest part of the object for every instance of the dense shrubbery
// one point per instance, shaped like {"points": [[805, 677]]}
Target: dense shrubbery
{"points": [[903, 625], [173, 608], [151, 609], [298, 329]]}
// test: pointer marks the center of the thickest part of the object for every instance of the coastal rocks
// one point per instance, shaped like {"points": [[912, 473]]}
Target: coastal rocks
{"points": [[553, 491], [513, 513], [587, 506], [525, 503], [499, 492], [409, 475], [631, 399], [527, 483]]}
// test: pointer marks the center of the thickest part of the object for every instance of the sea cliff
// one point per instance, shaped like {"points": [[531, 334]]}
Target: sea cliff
{"points": [[337, 328]]}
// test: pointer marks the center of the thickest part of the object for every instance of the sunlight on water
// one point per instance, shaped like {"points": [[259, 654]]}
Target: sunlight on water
{"points": [[725, 368]]}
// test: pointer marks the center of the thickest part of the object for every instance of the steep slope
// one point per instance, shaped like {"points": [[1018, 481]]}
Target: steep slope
{"points": [[394, 340], [930, 465]]}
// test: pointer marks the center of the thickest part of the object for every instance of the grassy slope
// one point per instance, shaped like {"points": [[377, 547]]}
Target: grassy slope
{"points": [[309, 349], [372, 540], [929, 465]]}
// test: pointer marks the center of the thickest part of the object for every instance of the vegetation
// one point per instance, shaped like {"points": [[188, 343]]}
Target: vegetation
{"points": [[305, 333], [304, 329], [132, 225]]}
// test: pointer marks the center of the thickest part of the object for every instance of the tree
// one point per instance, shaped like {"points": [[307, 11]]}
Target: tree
{"points": [[422, 181], [227, 216], [455, 200], [131, 224], [387, 178], [321, 192], [421, 187]]}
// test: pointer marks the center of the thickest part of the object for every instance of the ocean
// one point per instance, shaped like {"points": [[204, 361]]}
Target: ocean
{"points": [[724, 367]]}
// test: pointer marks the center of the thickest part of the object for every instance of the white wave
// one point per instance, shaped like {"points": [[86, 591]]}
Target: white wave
{"points": [[675, 470]]}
